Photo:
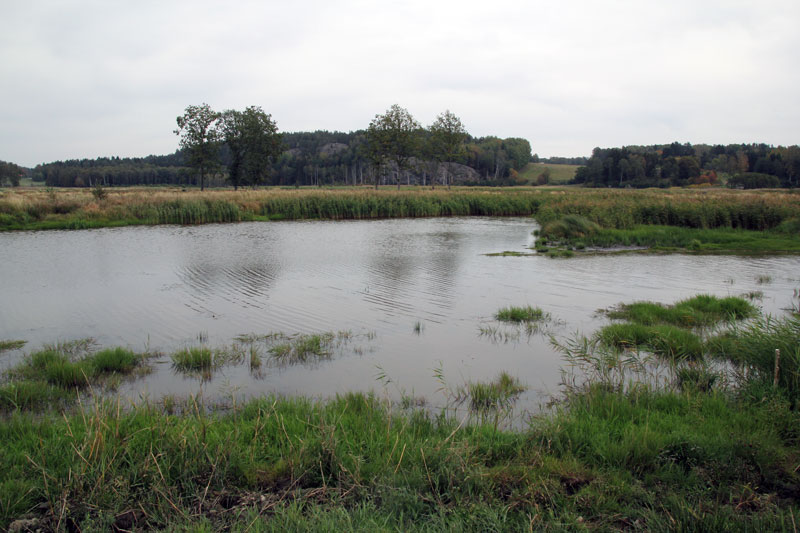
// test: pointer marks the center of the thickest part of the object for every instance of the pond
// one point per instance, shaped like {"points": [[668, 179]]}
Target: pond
{"points": [[416, 296]]}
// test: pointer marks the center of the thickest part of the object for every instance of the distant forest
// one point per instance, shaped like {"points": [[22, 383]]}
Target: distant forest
{"points": [[308, 158], [746, 166], [326, 158]]}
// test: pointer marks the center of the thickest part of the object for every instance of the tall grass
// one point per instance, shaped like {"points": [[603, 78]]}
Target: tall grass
{"points": [[76, 209], [662, 461], [622, 209], [667, 341], [753, 346]]}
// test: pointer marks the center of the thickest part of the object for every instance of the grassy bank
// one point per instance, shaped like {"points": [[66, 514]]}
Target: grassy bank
{"points": [[79, 208], [685, 208], [694, 452], [610, 461], [720, 223], [618, 209]]}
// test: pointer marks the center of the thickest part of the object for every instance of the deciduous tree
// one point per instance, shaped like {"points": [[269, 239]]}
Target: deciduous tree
{"points": [[199, 135], [393, 137], [254, 142], [448, 137], [10, 173]]}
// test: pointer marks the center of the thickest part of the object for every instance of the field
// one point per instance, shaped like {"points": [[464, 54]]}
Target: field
{"points": [[559, 174]]}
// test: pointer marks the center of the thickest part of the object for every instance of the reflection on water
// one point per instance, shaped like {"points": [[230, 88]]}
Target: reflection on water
{"points": [[161, 286]]}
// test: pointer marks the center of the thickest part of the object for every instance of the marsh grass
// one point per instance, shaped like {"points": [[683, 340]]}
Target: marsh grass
{"points": [[194, 359], [9, 345], [697, 311], [690, 240], [521, 314], [753, 348], [568, 227], [59, 372], [614, 453], [300, 349], [498, 394], [79, 209], [498, 334]]}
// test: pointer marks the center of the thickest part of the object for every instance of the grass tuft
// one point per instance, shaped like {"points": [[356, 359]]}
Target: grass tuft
{"points": [[193, 359], [494, 395], [11, 345], [521, 314]]}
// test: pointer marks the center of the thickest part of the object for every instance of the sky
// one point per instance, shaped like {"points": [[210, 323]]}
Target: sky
{"points": [[83, 79]]}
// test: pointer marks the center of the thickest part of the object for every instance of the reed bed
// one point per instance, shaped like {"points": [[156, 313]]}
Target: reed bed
{"points": [[620, 209], [77, 209], [716, 208]]}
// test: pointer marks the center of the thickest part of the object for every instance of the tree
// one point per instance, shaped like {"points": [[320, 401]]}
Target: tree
{"points": [[254, 143], [393, 137], [200, 139], [448, 138], [11, 173]]}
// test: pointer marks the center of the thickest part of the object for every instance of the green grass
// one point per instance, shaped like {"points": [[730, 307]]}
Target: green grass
{"points": [[568, 227], [521, 314], [32, 395], [493, 395], [662, 460], [719, 240], [193, 359], [694, 453], [304, 348], [667, 341], [700, 310], [11, 345], [52, 376], [752, 346], [559, 174]]}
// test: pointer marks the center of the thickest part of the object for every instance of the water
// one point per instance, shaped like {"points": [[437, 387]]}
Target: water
{"points": [[166, 287]]}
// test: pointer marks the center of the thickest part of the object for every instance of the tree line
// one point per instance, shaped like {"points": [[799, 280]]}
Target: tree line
{"points": [[244, 148], [676, 164]]}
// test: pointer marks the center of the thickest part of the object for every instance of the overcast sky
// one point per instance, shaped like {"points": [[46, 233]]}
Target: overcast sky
{"points": [[95, 78]]}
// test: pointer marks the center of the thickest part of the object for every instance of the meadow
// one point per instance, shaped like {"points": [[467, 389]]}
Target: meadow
{"points": [[559, 174]]}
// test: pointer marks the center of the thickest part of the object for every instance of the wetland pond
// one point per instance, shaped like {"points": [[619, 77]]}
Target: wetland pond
{"points": [[406, 300]]}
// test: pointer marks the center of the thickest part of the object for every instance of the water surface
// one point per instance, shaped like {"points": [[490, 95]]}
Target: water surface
{"points": [[165, 287]]}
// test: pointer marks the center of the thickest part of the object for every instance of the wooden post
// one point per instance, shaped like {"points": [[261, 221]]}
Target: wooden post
{"points": [[777, 368]]}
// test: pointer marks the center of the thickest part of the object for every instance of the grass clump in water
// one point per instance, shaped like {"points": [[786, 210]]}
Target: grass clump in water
{"points": [[521, 314], [664, 340], [569, 227], [494, 395], [304, 348], [755, 347], [32, 395], [53, 375], [11, 345], [110, 360], [700, 310], [193, 359]]}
